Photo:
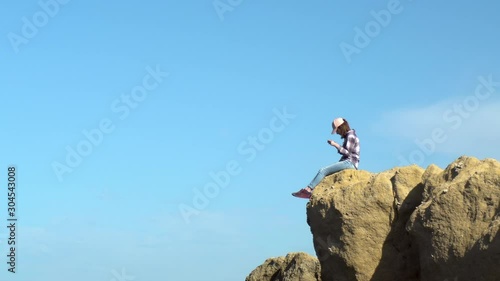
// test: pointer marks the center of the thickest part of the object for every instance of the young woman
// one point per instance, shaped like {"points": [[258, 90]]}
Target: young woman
{"points": [[349, 160]]}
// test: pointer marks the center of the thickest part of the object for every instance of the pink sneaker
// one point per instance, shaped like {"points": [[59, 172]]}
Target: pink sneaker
{"points": [[303, 193]]}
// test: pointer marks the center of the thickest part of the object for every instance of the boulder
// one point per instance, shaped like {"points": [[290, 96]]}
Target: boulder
{"points": [[292, 267], [358, 224], [405, 223], [456, 227]]}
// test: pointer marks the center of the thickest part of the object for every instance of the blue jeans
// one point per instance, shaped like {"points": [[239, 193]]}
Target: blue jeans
{"points": [[328, 170]]}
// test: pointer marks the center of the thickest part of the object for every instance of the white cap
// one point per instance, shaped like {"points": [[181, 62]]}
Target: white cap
{"points": [[336, 123]]}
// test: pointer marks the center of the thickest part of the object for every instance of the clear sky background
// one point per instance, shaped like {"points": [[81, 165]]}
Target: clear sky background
{"points": [[251, 91]]}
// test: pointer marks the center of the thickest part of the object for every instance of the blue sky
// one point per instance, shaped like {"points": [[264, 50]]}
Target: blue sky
{"points": [[117, 116]]}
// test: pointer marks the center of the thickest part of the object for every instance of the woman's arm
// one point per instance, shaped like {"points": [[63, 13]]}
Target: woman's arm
{"points": [[349, 144]]}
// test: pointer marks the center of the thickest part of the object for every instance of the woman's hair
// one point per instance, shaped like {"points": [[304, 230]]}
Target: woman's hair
{"points": [[343, 128]]}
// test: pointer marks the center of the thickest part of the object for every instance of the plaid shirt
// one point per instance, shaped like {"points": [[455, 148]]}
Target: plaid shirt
{"points": [[350, 148]]}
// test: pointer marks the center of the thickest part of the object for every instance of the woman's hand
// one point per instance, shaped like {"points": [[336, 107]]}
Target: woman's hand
{"points": [[332, 143]]}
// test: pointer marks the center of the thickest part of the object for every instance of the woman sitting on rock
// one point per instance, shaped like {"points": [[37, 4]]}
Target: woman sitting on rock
{"points": [[349, 160]]}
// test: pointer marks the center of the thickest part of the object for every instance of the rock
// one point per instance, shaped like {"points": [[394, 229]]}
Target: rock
{"points": [[456, 226], [293, 267], [358, 223], [406, 223]]}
